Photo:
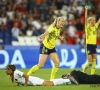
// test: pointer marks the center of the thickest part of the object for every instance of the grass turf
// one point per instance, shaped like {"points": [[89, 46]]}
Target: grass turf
{"points": [[6, 84]]}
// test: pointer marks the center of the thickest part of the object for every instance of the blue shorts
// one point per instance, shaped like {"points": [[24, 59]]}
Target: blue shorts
{"points": [[91, 49], [44, 50]]}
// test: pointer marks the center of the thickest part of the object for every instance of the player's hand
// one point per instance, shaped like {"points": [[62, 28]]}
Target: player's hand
{"points": [[62, 38], [86, 7]]}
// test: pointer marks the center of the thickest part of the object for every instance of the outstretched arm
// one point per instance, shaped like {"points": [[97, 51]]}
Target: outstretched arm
{"points": [[86, 9]]}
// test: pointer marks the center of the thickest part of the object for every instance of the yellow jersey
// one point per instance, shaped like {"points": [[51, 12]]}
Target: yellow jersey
{"points": [[50, 40], [91, 34]]}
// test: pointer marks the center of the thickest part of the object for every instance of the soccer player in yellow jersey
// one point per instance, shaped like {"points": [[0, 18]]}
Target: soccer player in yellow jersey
{"points": [[91, 39], [47, 48]]}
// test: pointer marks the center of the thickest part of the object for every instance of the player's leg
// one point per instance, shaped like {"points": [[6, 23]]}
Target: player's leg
{"points": [[93, 63], [56, 61], [42, 60], [94, 57], [55, 82], [39, 81], [89, 57], [48, 83]]}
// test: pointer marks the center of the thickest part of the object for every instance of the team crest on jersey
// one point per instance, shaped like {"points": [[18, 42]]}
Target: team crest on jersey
{"points": [[19, 75]]}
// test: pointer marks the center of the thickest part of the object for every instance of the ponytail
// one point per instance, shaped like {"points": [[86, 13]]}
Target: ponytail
{"points": [[56, 20], [13, 68]]}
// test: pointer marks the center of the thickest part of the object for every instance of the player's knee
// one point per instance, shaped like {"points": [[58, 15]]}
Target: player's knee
{"points": [[51, 84], [57, 64]]}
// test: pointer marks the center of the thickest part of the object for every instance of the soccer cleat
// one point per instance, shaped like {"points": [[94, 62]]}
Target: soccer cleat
{"points": [[73, 81]]}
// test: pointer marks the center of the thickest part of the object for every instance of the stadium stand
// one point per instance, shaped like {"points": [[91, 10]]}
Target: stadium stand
{"points": [[22, 21]]}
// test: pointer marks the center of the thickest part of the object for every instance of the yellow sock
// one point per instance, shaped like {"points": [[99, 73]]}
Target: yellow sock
{"points": [[33, 69], [53, 72], [86, 66], [93, 66]]}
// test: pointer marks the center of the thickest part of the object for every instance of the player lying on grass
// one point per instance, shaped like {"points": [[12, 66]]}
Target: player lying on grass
{"points": [[23, 79], [83, 78]]}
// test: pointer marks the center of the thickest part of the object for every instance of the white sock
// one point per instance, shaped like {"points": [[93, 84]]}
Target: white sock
{"points": [[60, 81]]}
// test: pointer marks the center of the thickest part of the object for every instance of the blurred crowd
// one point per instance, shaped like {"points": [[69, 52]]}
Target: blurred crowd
{"points": [[28, 18]]}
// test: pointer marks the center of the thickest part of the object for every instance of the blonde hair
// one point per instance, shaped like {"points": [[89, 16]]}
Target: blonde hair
{"points": [[89, 19], [56, 20]]}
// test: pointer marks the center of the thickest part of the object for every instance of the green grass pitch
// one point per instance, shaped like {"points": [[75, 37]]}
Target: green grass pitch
{"points": [[6, 84]]}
